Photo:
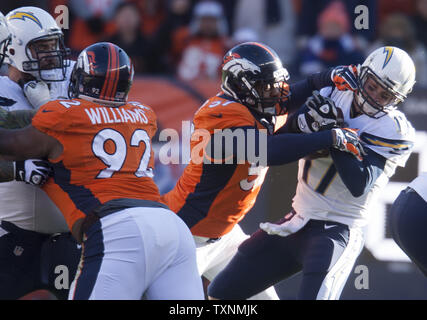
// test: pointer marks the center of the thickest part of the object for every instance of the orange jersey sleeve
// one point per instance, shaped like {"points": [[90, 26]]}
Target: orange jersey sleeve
{"points": [[106, 154]]}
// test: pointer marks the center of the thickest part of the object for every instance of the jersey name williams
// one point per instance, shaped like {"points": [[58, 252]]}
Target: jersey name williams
{"points": [[104, 115]]}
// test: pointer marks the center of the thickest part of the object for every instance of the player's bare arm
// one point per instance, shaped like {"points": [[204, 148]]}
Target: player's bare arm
{"points": [[7, 171], [12, 120], [28, 143]]}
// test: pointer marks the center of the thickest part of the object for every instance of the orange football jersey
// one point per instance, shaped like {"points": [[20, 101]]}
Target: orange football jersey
{"points": [[106, 154], [212, 198]]}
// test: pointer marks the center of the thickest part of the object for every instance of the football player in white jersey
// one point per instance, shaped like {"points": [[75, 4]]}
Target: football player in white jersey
{"points": [[408, 216], [322, 235], [34, 237]]}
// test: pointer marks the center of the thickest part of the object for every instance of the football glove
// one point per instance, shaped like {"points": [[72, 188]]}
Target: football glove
{"points": [[289, 226], [345, 78], [32, 171], [347, 140], [322, 114], [37, 93]]}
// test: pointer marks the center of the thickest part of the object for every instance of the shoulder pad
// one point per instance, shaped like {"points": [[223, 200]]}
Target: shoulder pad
{"points": [[220, 113]]}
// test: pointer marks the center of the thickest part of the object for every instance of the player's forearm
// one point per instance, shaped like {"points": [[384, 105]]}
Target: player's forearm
{"points": [[7, 171], [358, 176], [16, 119], [255, 145], [287, 148], [291, 125], [12, 120], [22, 144], [301, 90]]}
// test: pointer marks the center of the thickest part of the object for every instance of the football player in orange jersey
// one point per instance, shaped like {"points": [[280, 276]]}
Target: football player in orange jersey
{"points": [[213, 197], [100, 149]]}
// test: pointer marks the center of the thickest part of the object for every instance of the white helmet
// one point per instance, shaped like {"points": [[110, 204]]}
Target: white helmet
{"points": [[392, 69], [28, 25], [4, 38]]}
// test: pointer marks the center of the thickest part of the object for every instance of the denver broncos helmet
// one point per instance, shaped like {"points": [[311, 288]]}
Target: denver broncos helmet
{"points": [[103, 74], [251, 71]]}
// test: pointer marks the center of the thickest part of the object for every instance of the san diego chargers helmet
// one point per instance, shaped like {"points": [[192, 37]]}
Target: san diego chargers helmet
{"points": [[37, 45], [393, 70], [249, 71], [4, 38], [103, 74]]}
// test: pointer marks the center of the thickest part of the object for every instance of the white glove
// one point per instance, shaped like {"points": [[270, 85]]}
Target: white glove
{"points": [[286, 228], [37, 93], [32, 171]]}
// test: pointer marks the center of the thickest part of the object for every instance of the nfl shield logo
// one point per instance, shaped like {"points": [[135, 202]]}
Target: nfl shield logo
{"points": [[18, 251]]}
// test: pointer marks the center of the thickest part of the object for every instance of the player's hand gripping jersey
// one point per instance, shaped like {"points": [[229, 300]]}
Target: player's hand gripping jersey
{"points": [[212, 198], [106, 154], [322, 194]]}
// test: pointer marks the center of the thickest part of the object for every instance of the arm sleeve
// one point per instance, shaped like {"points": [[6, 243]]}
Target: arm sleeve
{"points": [[358, 176], [291, 125], [256, 146], [287, 148], [301, 90]]}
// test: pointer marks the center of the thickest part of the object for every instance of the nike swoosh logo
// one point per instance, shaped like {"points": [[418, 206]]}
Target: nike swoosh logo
{"points": [[329, 226], [47, 110], [219, 115]]}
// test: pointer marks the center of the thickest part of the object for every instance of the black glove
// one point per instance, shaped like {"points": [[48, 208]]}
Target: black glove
{"points": [[32, 171], [322, 114]]}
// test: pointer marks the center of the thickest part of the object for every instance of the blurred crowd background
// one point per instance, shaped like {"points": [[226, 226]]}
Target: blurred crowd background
{"points": [[188, 38], [177, 48]]}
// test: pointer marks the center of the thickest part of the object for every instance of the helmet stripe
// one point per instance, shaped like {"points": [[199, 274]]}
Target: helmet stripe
{"points": [[107, 77], [264, 47], [116, 71], [111, 72]]}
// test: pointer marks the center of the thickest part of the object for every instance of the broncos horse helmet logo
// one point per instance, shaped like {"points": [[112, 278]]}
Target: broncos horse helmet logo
{"points": [[236, 65]]}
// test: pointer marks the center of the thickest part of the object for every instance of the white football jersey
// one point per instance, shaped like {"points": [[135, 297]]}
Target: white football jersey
{"points": [[322, 195], [25, 205], [419, 184]]}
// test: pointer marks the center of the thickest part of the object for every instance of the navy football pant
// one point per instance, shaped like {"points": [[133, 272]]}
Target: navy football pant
{"points": [[408, 218], [325, 252], [28, 261]]}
